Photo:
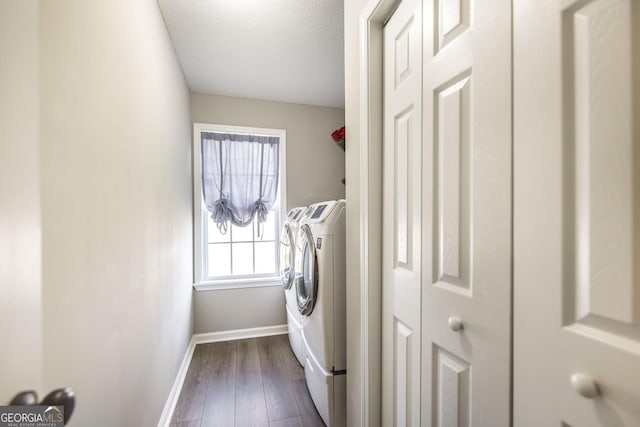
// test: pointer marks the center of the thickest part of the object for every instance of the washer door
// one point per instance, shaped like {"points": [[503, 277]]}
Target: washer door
{"points": [[307, 277], [287, 257]]}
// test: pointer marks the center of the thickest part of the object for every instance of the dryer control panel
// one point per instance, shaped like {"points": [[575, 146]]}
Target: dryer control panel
{"points": [[296, 213], [319, 212]]}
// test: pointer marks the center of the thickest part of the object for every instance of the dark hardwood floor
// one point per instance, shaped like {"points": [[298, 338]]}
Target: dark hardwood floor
{"points": [[245, 383]]}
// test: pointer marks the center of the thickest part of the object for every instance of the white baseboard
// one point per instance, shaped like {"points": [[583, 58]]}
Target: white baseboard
{"points": [[174, 394], [238, 334]]}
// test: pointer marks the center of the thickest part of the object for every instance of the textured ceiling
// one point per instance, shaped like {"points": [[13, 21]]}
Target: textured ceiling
{"points": [[279, 50]]}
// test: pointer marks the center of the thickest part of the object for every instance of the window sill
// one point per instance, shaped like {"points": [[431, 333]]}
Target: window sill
{"points": [[237, 284]]}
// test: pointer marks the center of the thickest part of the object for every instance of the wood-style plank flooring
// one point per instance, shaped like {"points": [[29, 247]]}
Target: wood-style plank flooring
{"points": [[245, 383]]}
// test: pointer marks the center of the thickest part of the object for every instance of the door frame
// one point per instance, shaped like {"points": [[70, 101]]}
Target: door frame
{"points": [[371, 22]]}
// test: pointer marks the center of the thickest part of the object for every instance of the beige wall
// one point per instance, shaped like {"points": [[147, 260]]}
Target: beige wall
{"points": [[20, 282], [116, 208], [244, 308], [315, 167]]}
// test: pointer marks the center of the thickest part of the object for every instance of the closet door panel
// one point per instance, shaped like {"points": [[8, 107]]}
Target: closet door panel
{"points": [[577, 213], [466, 205], [401, 216]]}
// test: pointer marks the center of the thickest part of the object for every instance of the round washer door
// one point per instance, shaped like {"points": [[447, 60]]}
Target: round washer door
{"points": [[287, 257], [307, 277]]}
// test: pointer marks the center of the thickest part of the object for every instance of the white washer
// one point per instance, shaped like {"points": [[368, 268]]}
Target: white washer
{"points": [[321, 298], [287, 274]]}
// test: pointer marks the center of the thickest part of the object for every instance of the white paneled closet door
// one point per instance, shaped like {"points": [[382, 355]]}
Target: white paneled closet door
{"points": [[401, 267], [577, 213], [466, 245], [447, 214]]}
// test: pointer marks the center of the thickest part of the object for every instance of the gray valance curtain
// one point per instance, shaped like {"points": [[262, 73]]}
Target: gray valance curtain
{"points": [[239, 177]]}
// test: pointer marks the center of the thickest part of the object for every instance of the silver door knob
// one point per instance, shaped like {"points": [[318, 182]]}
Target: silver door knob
{"points": [[455, 323], [585, 385]]}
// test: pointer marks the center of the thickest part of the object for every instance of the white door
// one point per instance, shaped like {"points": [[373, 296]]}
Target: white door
{"points": [[577, 213], [401, 217], [466, 248]]}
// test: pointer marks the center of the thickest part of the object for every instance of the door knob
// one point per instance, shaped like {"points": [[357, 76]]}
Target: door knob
{"points": [[455, 323], [59, 397], [585, 385], [25, 398]]}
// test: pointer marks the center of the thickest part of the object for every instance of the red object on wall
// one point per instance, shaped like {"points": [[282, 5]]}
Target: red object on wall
{"points": [[340, 136]]}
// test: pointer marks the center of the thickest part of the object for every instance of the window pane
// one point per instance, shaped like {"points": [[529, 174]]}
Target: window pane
{"points": [[265, 257], [219, 260], [268, 228], [242, 234], [215, 236], [242, 258]]}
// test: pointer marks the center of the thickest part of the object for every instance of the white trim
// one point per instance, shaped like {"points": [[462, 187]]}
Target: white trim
{"points": [[261, 282], [174, 394], [372, 19], [198, 217], [237, 334]]}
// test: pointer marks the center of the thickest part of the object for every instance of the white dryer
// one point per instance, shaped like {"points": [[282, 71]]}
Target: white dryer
{"points": [[287, 275], [321, 299]]}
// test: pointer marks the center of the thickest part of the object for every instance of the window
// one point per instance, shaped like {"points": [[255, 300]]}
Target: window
{"points": [[235, 256]]}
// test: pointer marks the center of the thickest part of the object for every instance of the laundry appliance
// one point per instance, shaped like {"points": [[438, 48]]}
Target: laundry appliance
{"points": [[321, 298], [287, 275]]}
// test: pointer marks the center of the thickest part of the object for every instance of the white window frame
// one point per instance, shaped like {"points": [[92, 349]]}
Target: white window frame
{"points": [[200, 213]]}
